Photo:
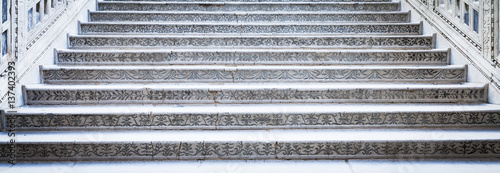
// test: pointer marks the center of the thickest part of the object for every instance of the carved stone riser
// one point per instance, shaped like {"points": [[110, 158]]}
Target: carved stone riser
{"points": [[243, 150], [266, 57], [387, 29], [155, 74], [408, 42], [256, 94], [249, 17], [200, 121], [313, 6]]}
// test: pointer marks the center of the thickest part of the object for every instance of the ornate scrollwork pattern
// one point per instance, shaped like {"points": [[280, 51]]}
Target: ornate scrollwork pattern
{"points": [[264, 95], [252, 150], [253, 120]]}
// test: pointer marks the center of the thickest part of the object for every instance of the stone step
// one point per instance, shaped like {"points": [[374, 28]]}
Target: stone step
{"points": [[248, 6], [257, 144], [241, 74], [252, 93], [237, 41], [262, 166], [248, 0], [252, 57], [248, 29], [245, 17], [254, 116]]}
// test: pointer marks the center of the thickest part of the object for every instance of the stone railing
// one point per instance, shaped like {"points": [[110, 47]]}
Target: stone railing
{"points": [[470, 26], [29, 28]]}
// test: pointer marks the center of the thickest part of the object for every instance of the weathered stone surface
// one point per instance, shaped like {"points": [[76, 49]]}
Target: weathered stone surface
{"points": [[253, 57], [256, 94], [301, 17], [238, 6], [234, 120], [356, 42], [152, 74], [229, 150], [262, 29]]}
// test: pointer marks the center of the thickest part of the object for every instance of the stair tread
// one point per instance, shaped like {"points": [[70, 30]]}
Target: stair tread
{"points": [[264, 166], [245, 67], [303, 86], [170, 50], [247, 12], [250, 36], [305, 23], [255, 108], [339, 135], [244, 3]]}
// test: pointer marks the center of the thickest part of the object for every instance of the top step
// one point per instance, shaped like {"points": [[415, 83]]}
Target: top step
{"points": [[257, 0], [248, 6]]}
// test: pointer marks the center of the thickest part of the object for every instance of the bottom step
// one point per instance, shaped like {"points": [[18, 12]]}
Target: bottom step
{"points": [[249, 145], [261, 166]]}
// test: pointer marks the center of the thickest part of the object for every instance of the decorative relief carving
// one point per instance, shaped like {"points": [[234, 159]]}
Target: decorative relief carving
{"points": [[253, 120], [252, 150], [250, 17], [250, 57], [100, 28], [89, 96], [413, 42], [257, 75]]}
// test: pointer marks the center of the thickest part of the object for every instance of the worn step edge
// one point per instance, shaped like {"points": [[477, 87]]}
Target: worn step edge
{"points": [[247, 6], [262, 166], [247, 3], [249, 0], [253, 93], [183, 41], [249, 29], [253, 117], [274, 144], [247, 57], [160, 74], [247, 13]]}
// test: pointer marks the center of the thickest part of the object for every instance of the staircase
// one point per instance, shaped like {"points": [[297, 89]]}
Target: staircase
{"points": [[248, 79]]}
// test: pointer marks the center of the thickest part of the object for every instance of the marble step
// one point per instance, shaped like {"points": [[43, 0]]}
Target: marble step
{"points": [[200, 1], [252, 93], [248, 29], [248, 6], [256, 144], [251, 57], [254, 116], [241, 74], [245, 17], [249, 0], [261, 166], [238, 41]]}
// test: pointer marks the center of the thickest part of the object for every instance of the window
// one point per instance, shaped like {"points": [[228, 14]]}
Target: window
{"points": [[38, 12], [476, 21], [30, 19], [466, 14], [4, 43], [4, 11]]}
